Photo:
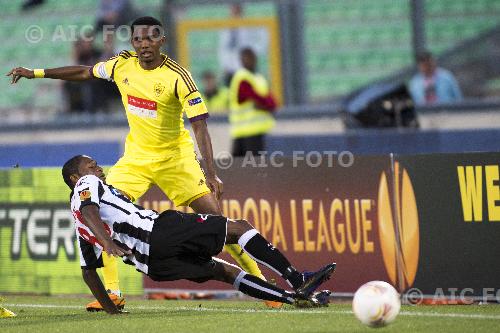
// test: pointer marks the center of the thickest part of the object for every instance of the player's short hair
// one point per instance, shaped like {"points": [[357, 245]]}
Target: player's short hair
{"points": [[248, 51], [147, 21], [71, 167], [208, 74], [424, 56]]}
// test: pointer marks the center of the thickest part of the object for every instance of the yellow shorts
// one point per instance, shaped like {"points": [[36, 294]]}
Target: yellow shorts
{"points": [[180, 177]]}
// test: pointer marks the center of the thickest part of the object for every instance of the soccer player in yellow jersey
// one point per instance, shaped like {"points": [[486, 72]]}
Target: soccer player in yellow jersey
{"points": [[155, 91]]}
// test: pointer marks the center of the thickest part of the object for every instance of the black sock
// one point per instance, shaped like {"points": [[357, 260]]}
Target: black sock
{"points": [[258, 288], [263, 252]]}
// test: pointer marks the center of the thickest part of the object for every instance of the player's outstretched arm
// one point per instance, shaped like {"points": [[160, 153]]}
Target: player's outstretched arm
{"points": [[93, 220], [95, 285], [68, 73]]}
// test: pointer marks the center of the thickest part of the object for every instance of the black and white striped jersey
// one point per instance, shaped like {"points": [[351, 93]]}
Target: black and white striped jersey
{"points": [[129, 225]]}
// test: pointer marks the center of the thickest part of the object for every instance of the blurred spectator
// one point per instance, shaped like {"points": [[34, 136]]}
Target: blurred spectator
{"points": [[433, 84], [232, 41], [115, 13], [251, 107], [29, 4], [215, 96], [89, 96]]}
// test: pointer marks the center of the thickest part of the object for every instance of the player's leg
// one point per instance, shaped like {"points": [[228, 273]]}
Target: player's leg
{"points": [[244, 234], [207, 204], [250, 284], [183, 181], [131, 177]]}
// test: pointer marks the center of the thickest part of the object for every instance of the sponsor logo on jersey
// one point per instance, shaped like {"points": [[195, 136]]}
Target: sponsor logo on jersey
{"points": [[84, 195], [159, 88], [195, 101], [125, 81], [142, 107]]}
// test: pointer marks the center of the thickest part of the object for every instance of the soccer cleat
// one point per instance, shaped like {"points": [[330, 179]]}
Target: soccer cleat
{"points": [[95, 306], [312, 280], [316, 300], [321, 298], [5, 313], [273, 304]]}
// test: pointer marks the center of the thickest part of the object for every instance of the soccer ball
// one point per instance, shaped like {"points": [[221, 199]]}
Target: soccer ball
{"points": [[376, 303]]}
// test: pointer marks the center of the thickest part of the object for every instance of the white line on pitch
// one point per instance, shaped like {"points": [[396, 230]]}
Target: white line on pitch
{"points": [[316, 311]]}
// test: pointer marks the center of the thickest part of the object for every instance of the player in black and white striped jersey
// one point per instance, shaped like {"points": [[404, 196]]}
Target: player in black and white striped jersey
{"points": [[172, 245]]}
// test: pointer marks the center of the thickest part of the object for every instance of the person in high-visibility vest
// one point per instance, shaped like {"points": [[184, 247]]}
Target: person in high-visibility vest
{"points": [[215, 96], [251, 107]]}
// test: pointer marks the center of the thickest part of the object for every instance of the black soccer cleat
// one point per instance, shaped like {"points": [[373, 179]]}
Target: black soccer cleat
{"points": [[317, 300], [312, 280]]}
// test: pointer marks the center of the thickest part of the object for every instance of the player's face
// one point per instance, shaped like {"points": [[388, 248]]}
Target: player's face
{"points": [[427, 67], [147, 41], [88, 166], [249, 61]]}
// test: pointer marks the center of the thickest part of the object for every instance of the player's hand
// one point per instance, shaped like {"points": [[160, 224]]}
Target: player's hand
{"points": [[19, 72], [215, 185], [114, 250]]}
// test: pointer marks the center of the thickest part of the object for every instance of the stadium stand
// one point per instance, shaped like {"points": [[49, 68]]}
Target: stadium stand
{"points": [[56, 19], [341, 54]]}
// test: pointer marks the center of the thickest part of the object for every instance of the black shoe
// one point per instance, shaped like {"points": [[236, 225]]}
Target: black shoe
{"points": [[312, 280], [317, 300]]}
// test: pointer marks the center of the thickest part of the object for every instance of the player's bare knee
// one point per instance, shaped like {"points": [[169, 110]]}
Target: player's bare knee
{"points": [[244, 225], [226, 273], [236, 228]]}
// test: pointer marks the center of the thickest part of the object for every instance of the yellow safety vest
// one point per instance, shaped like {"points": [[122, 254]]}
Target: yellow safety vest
{"points": [[218, 103], [245, 119]]}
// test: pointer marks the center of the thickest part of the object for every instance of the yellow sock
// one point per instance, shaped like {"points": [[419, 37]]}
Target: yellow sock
{"points": [[110, 272], [244, 261]]}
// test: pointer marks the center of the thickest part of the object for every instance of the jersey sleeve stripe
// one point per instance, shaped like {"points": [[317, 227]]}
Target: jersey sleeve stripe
{"points": [[88, 255], [113, 70], [125, 54], [199, 117], [100, 190], [140, 257], [115, 206], [190, 87], [182, 69], [132, 231], [164, 60], [184, 74]]}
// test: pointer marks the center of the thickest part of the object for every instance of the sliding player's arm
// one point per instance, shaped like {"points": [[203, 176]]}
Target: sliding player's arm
{"points": [[95, 285], [67, 73], [196, 111], [93, 221]]}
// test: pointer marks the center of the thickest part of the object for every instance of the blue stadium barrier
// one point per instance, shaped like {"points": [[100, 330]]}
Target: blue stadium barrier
{"points": [[361, 142], [392, 141], [53, 155]]}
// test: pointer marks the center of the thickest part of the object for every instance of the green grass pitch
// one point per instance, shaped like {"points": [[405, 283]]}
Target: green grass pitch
{"points": [[65, 314]]}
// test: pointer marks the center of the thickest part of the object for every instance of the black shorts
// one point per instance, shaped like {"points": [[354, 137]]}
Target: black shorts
{"points": [[182, 246]]}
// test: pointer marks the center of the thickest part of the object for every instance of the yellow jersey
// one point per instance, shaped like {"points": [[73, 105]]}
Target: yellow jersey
{"points": [[154, 102]]}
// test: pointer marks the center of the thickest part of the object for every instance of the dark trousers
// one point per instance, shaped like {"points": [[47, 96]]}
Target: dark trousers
{"points": [[252, 144]]}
